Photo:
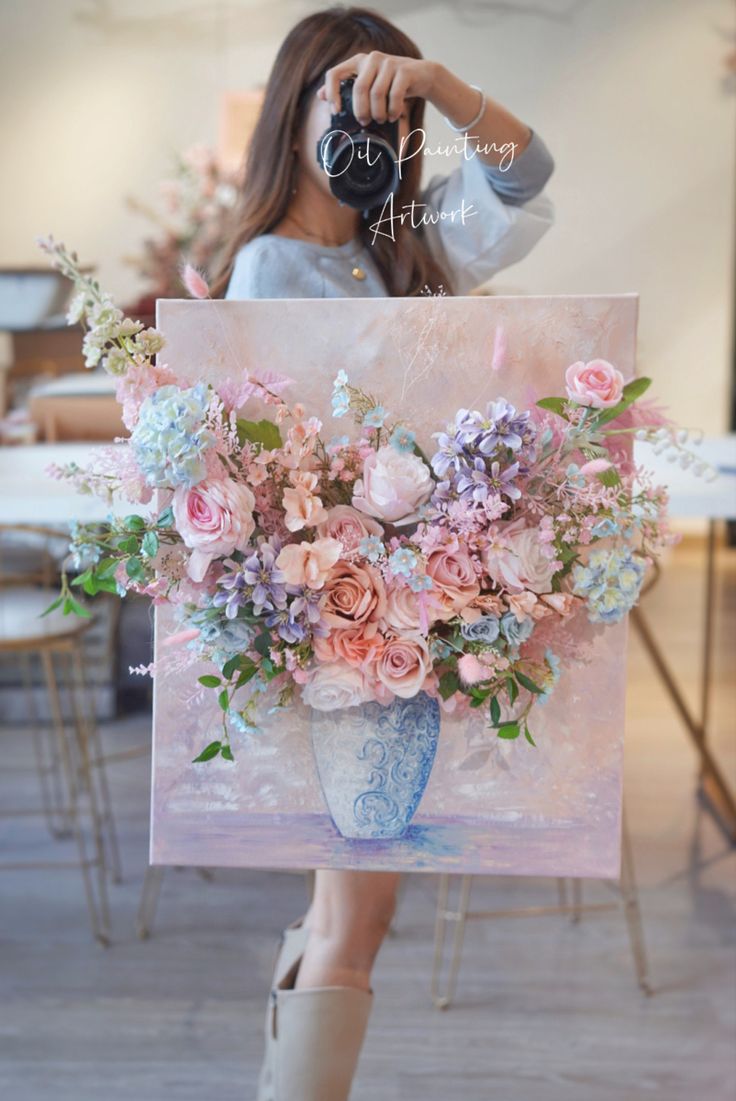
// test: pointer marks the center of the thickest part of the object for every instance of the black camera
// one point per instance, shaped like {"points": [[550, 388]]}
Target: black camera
{"points": [[359, 160]]}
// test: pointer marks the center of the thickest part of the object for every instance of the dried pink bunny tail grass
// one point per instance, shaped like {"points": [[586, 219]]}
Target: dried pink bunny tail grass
{"points": [[194, 282]]}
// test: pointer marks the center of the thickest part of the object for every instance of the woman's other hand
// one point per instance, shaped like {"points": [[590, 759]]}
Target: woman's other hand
{"points": [[382, 83]]}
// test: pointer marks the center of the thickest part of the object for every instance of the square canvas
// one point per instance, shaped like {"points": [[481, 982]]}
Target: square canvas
{"points": [[490, 806]]}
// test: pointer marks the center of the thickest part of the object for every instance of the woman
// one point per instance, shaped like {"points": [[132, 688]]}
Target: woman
{"points": [[294, 239]]}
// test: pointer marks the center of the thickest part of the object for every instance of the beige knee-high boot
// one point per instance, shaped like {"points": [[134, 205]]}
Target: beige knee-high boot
{"points": [[317, 1035], [291, 946]]}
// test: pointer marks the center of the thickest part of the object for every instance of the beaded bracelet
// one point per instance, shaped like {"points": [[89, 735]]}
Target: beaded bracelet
{"points": [[461, 129]]}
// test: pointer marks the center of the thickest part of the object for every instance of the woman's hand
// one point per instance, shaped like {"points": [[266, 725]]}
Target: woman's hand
{"points": [[382, 83]]}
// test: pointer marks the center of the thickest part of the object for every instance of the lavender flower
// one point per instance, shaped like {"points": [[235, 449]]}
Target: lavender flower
{"points": [[267, 580]]}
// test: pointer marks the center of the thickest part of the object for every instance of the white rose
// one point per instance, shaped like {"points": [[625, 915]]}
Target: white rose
{"points": [[335, 684], [534, 569], [393, 485]]}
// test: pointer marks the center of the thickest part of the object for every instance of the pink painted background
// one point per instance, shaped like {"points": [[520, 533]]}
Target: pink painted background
{"points": [[490, 807]]}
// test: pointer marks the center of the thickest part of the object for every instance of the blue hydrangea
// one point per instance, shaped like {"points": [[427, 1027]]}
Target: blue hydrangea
{"points": [[171, 438], [610, 582], [486, 629]]}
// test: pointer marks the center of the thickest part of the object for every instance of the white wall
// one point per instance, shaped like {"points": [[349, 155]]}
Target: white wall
{"points": [[630, 96]]}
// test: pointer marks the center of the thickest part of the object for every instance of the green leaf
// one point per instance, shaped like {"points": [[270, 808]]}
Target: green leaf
{"points": [[82, 577], [134, 523], [262, 432], [247, 673], [149, 546], [449, 684], [208, 752], [224, 699], [230, 666], [495, 710], [528, 683], [610, 477], [631, 391], [509, 730], [166, 519], [556, 405], [129, 545], [262, 644], [512, 689], [52, 607], [527, 735], [227, 753], [74, 607], [210, 681], [134, 569]]}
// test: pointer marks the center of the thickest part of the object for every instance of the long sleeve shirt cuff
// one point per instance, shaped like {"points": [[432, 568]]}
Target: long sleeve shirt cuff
{"points": [[525, 176]]}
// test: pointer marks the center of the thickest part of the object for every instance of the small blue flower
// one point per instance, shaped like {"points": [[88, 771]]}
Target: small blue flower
{"points": [[375, 417], [341, 380], [574, 477], [403, 561], [605, 527], [371, 548], [402, 439], [340, 403], [420, 583]]}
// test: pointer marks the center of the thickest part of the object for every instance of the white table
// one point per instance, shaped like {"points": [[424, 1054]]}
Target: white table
{"points": [[692, 496], [29, 496]]}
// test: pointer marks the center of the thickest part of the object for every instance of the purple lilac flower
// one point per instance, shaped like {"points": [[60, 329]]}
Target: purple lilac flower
{"points": [[288, 627], [267, 580], [502, 426], [233, 593]]}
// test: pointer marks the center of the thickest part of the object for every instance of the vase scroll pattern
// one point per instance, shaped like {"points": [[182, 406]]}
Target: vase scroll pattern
{"points": [[374, 763]]}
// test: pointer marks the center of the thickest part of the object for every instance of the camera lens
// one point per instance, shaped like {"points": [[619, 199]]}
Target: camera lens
{"points": [[362, 170]]}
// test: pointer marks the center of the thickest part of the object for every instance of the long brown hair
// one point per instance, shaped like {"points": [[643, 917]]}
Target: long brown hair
{"points": [[311, 47]]}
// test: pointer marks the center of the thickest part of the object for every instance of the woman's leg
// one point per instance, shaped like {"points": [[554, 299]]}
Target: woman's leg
{"points": [[348, 918]]}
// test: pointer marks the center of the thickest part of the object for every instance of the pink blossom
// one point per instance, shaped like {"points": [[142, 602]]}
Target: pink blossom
{"points": [[346, 524], [393, 485], [214, 518], [302, 508], [470, 670], [403, 665], [453, 573]]}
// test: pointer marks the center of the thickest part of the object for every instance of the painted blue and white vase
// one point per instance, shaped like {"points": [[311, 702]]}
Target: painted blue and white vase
{"points": [[374, 763]]}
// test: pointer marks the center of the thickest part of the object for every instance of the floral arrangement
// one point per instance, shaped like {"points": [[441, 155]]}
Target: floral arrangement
{"points": [[197, 201], [358, 568]]}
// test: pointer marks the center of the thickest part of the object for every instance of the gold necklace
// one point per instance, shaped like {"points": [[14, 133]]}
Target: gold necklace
{"points": [[356, 272]]}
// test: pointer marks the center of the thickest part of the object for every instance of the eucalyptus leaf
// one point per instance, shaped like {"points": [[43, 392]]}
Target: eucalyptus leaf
{"points": [[208, 752]]}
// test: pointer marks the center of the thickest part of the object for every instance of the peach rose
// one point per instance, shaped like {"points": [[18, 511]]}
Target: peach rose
{"points": [[597, 383], [347, 525], [336, 685], [354, 595], [214, 518], [403, 665], [302, 509], [455, 580], [308, 563]]}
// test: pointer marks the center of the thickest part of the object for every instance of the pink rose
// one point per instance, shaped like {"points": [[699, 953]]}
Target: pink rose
{"points": [[402, 609], [393, 485], [347, 525], [597, 383], [455, 580], [308, 563], [214, 518], [535, 570], [354, 595], [336, 685], [403, 665]]}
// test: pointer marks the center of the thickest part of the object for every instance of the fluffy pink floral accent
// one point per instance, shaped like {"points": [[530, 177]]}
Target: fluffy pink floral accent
{"points": [[470, 669], [195, 282]]}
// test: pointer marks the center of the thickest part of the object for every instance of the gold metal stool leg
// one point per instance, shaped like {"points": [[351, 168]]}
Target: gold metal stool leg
{"points": [[459, 916], [97, 904], [48, 763], [632, 911], [95, 770]]}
